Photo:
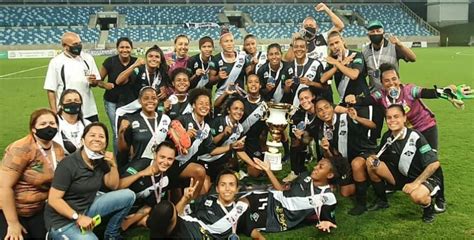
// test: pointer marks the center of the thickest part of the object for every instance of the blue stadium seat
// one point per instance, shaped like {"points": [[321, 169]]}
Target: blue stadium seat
{"points": [[35, 35], [13, 16]]}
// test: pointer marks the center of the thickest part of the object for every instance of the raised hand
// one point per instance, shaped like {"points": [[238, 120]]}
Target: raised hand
{"points": [[321, 7], [189, 191], [264, 165]]}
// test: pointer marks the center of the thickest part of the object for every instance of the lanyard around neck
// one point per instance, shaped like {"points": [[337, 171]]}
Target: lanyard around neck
{"points": [[232, 221], [52, 163], [160, 188], [376, 62], [153, 131]]}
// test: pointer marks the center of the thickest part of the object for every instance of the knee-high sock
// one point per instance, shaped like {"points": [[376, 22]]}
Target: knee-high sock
{"points": [[361, 193], [379, 188], [439, 173]]}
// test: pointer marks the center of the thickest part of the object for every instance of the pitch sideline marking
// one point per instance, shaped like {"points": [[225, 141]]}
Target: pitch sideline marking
{"points": [[464, 54], [22, 71]]}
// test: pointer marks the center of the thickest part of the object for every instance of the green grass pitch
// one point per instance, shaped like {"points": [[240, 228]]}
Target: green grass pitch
{"points": [[21, 91]]}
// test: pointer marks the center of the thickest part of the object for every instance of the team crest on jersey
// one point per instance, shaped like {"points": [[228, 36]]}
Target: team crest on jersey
{"points": [[290, 71], [208, 203], [196, 65], [240, 209], [307, 179], [408, 153], [221, 62], [135, 124], [190, 126], [265, 75], [344, 176], [254, 216], [143, 76], [221, 128]]}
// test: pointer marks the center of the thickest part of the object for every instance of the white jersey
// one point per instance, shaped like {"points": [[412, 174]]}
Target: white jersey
{"points": [[70, 134], [70, 73]]}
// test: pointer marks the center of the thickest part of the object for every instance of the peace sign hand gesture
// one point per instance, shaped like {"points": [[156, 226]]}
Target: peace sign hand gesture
{"points": [[189, 191]]}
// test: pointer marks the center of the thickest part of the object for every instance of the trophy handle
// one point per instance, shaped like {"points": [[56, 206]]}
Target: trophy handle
{"points": [[290, 114], [266, 113]]}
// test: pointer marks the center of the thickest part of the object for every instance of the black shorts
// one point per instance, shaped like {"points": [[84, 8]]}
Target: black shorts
{"points": [[256, 215], [432, 183], [173, 174]]}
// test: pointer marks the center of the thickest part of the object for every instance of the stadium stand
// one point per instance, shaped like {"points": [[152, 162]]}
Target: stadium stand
{"points": [[45, 24], [165, 15], [36, 35], [45, 16]]}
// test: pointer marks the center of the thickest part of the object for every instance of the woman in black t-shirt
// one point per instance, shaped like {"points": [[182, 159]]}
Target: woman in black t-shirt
{"points": [[74, 201], [111, 68]]}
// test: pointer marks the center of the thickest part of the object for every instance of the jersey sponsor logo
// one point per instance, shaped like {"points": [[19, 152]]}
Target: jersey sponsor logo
{"points": [[254, 217], [310, 75], [135, 124], [208, 203], [411, 142], [164, 130], [342, 133], [425, 148], [211, 212], [238, 65], [241, 60], [142, 130], [409, 153], [358, 60], [280, 214]]}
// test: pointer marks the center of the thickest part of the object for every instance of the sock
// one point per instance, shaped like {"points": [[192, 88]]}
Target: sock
{"points": [[440, 174], [361, 193], [379, 188]]}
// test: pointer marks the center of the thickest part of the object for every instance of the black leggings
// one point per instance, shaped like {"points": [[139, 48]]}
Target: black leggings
{"points": [[34, 225]]}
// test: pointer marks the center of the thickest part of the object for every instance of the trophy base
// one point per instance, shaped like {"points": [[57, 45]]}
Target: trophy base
{"points": [[274, 159], [274, 144]]}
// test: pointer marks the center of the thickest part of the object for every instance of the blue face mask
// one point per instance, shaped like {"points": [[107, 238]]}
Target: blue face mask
{"points": [[92, 155]]}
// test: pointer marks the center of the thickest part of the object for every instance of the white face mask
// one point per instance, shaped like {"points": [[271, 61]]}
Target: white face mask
{"points": [[92, 155]]}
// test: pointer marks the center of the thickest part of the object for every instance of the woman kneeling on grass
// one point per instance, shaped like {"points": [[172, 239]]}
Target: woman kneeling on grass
{"points": [[26, 173], [74, 199]]}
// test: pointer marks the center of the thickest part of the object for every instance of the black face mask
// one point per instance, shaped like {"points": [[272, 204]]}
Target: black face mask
{"points": [[46, 133], [376, 38], [72, 108], [76, 49], [309, 33]]}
